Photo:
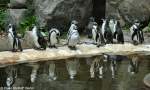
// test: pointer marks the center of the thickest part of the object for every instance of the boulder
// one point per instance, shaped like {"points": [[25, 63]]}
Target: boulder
{"points": [[146, 80], [26, 42], [128, 10], [15, 15], [59, 13], [17, 4]]}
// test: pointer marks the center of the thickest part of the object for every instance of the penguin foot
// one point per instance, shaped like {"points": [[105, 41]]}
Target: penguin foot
{"points": [[21, 50], [100, 45], [14, 50], [53, 47], [72, 47], [50, 46], [135, 42]]}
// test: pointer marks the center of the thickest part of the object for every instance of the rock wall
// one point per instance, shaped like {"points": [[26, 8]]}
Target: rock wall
{"points": [[16, 11], [17, 3], [128, 10], [57, 13]]}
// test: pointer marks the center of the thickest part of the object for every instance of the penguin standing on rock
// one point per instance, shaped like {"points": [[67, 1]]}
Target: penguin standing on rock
{"points": [[107, 36], [118, 33], [38, 39], [73, 25], [53, 37], [94, 32], [13, 38], [73, 37], [90, 27], [136, 31]]}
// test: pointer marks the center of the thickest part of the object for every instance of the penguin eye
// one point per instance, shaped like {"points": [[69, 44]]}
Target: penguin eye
{"points": [[58, 34]]}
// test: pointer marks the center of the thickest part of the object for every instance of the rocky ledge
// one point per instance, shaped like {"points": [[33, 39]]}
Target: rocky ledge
{"points": [[83, 50]]}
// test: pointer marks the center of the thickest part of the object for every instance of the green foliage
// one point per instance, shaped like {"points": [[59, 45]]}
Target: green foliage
{"points": [[26, 23], [3, 15], [148, 28], [29, 19], [126, 27]]}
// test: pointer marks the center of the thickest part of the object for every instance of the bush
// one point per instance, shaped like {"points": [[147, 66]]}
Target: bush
{"points": [[26, 23], [148, 27], [126, 27], [3, 15]]}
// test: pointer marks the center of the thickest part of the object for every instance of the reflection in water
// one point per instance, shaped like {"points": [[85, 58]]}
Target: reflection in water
{"points": [[106, 72], [11, 76], [33, 75], [72, 67], [134, 64], [52, 74]]}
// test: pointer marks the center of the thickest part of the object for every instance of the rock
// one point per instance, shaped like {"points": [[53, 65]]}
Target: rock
{"points": [[15, 15], [26, 42], [59, 13], [63, 53], [146, 80], [17, 4], [128, 10]]}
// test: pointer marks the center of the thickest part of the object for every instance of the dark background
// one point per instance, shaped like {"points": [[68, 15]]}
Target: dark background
{"points": [[99, 7]]}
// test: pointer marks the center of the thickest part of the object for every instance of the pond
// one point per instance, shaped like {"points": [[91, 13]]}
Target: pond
{"points": [[123, 79]]}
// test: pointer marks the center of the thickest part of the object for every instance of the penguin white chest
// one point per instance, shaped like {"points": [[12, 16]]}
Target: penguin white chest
{"points": [[94, 32], [103, 27], [111, 25], [35, 37], [10, 36], [74, 38], [53, 39]]}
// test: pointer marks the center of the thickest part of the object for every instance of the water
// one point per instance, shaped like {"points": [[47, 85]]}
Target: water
{"points": [[123, 79]]}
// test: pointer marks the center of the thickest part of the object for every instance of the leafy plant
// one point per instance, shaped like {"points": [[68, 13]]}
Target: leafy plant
{"points": [[29, 19], [126, 27], [3, 15], [148, 27], [26, 23]]}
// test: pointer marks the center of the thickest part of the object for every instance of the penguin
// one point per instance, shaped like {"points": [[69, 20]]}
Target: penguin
{"points": [[136, 33], [90, 26], [106, 32], [73, 38], [133, 65], [53, 37], [14, 39], [73, 25], [112, 25], [11, 73], [102, 30], [118, 33], [99, 39], [94, 32], [38, 39], [113, 62]]}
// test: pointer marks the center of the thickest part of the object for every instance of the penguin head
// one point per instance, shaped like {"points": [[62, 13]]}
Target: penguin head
{"points": [[95, 25], [57, 33], [74, 22], [104, 20], [10, 26], [91, 19], [137, 23]]}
